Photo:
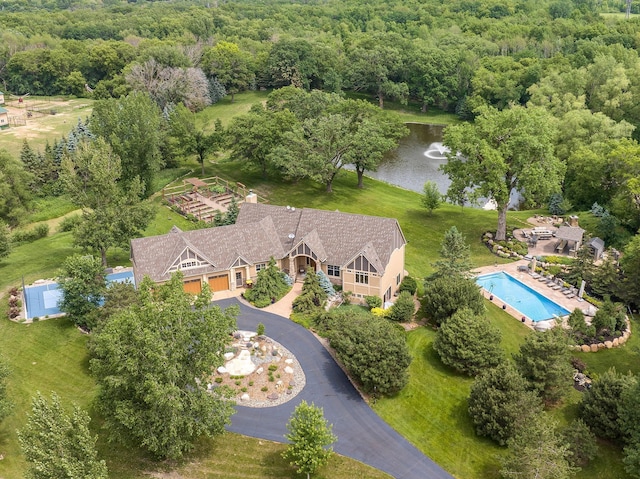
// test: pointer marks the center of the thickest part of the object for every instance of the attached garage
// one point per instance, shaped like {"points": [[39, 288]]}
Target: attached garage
{"points": [[193, 286], [219, 282]]}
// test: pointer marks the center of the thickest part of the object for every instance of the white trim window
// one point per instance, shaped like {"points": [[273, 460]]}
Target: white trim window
{"points": [[260, 267], [333, 270], [362, 278]]}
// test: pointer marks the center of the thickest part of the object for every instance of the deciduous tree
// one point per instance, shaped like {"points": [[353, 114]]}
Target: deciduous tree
{"points": [[131, 126], [630, 265], [83, 284], [5, 240], [171, 85], [153, 362], [502, 151], [58, 445], [310, 439], [112, 211], [469, 343], [431, 196], [231, 66], [15, 197], [374, 67], [253, 136], [346, 132]]}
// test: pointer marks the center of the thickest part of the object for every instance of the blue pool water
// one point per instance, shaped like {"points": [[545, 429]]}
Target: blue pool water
{"points": [[42, 300], [519, 296]]}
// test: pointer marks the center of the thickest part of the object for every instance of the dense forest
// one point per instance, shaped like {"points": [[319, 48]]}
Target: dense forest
{"points": [[561, 78], [577, 60], [563, 55]]}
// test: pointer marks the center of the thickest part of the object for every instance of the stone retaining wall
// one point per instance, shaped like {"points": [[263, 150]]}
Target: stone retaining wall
{"points": [[615, 343]]}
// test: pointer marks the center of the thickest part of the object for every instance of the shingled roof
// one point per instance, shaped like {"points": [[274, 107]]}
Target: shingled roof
{"points": [[335, 237], [262, 231]]}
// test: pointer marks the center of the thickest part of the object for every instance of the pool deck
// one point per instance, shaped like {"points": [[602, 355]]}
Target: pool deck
{"points": [[526, 278]]}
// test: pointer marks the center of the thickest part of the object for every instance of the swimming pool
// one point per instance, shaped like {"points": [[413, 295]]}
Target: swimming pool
{"points": [[42, 299], [519, 296]]}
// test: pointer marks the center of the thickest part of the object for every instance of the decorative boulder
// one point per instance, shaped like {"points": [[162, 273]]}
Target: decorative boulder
{"points": [[616, 342], [594, 348], [608, 344], [288, 370], [260, 370], [228, 356], [288, 361], [273, 396], [585, 348], [244, 397], [222, 370]]}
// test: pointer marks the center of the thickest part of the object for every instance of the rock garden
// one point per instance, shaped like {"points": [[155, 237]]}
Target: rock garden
{"points": [[259, 371]]}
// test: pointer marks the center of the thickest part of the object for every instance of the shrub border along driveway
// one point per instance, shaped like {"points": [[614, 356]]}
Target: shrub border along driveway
{"points": [[362, 434]]}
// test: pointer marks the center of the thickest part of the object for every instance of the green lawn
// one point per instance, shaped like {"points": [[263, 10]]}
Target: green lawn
{"points": [[423, 231], [225, 110], [430, 411], [52, 356]]}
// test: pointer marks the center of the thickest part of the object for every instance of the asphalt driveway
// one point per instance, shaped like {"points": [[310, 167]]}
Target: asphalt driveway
{"points": [[361, 433]]}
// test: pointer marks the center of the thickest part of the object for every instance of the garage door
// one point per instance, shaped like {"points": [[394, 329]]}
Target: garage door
{"points": [[193, 286], [219, 283]]}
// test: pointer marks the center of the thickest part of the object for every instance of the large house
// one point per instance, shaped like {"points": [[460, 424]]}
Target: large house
{"points": [[363, 254]]}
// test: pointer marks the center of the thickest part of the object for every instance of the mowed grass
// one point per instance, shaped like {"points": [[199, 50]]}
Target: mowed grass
{"points": [[423, 231], [412, 111], [430, 412], [225, 110], [52, 356], [44, 356]]}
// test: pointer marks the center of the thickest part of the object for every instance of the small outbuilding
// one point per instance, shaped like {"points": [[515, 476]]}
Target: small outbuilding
{"points": [[4, 118], [596, 245], [569, 237]]}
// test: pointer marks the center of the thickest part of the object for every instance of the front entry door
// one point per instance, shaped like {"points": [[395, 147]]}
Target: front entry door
{"points": [[239, 282]]}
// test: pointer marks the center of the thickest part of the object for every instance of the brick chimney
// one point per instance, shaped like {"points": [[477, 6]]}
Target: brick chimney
{"points": [[573, 221]]}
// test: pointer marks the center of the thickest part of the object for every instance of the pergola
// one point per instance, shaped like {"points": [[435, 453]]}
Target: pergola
{"points": [[570, 236], [197, 182]]}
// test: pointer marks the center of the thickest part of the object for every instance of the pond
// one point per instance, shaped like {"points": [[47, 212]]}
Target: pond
{"points": [[416, 160]]}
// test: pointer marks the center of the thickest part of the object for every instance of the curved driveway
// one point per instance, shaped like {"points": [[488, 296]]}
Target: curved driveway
{"points": [[361, 433]]}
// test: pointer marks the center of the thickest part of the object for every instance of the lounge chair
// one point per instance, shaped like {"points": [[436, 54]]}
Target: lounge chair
{"points": [[535, 275], [571, 296]]}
